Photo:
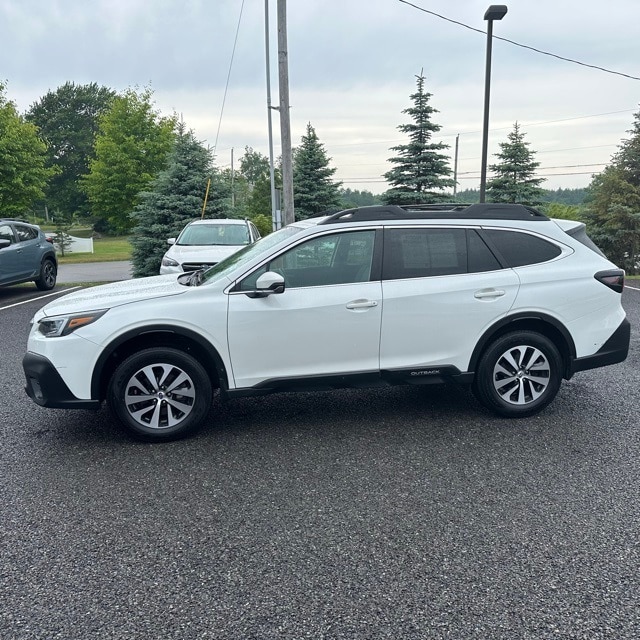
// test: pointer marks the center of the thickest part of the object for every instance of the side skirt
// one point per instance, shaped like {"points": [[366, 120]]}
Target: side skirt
{"points": [[365, 380]]}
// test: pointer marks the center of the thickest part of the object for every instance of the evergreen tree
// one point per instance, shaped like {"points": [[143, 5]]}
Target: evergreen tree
{"points": [[68, 122], [313, 189], [421, 172], [612, 209], [613, 217], [628, 157], [514, 180], [23, 174], [352, 198], [175, 198]]}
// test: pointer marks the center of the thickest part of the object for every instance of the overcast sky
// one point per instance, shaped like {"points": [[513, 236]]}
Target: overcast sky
{"points": [[352, 66]]}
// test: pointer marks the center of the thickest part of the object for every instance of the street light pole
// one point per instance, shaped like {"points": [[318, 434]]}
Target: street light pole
{"points": [[494, 12]]}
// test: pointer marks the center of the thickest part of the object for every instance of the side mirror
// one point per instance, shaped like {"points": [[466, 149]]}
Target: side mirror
{"points": [[268, 283], [4, 243], [171, 240]]}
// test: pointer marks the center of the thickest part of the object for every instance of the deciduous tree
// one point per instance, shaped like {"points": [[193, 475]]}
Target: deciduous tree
{"points": [[132, 146], [23, 172], [67, 119]]}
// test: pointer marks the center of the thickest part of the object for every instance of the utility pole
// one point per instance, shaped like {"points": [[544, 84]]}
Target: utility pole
{"points": [[276, 222], [455, 168], [233, 195], [285, 122]]}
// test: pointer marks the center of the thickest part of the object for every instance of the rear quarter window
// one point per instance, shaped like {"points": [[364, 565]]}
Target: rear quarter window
{"points": [[518, 249]]}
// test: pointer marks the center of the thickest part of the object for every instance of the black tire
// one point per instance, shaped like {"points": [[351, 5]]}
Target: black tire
{"points": [[177, 399], [519, 374], [48, 274]]}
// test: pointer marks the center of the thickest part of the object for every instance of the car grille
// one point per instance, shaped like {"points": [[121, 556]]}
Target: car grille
{"points": [[194, 266]]}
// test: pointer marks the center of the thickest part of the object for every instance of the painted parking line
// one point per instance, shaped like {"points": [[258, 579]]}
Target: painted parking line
{"points": [[626, 286], [48, 295]]}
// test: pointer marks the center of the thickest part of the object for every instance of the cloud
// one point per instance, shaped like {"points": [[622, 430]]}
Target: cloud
{"points": [[352, 67]]}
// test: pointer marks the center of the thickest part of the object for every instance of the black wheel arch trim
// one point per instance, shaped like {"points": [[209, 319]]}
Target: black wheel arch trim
{"points": [[112, 347], [519, 318]]}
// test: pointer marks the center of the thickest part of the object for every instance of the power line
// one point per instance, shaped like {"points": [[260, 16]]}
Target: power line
{"points": [[224, 98], [517, 44]]}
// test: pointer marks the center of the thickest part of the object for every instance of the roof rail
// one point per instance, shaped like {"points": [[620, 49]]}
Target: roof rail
{"points": [[485, 211]]}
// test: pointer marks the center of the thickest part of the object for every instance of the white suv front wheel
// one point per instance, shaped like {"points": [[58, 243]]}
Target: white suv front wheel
{"points": [[160, 394], [519, 374]]}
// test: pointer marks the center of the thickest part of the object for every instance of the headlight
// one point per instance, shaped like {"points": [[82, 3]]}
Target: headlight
{"points": [[64, 325], [168, 262]]}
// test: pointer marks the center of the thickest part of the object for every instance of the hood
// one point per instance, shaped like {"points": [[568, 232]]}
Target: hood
{"points": [[115, 294], [201, 253]]}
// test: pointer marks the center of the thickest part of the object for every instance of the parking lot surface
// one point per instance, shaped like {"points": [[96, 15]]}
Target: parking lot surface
{"points": [[398, 513]]}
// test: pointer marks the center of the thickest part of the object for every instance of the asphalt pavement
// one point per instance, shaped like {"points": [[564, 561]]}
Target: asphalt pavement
{"points": [[94, 272], [401, 513]]}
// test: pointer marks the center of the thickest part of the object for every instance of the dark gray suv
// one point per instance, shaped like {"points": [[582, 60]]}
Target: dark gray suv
{"points": [[26, 254]]}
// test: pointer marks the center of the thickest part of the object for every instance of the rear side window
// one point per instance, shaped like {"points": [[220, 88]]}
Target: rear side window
{"points": [[420, 253], [480, 256], [423, 253], [25, 233], [519, 249]]}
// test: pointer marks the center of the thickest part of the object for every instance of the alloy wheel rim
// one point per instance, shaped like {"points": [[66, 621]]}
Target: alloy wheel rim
{"points": [[49, 274], [521, 375], [159, 396]]}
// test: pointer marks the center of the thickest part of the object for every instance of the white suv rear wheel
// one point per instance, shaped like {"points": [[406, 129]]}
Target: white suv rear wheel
{"points": [[519, 374]]}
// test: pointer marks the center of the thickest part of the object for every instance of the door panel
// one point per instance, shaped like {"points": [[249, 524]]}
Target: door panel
{"points": [[433, 321], [306, 331], [326, 322]]}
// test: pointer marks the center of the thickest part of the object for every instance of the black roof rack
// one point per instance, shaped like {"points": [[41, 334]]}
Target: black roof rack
{"points": [[441, 211]]}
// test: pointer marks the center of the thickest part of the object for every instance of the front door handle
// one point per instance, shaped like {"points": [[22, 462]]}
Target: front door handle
{"points": [[362, 304]]}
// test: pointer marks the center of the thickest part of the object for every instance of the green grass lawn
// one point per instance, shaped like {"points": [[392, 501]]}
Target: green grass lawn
{"points": [[104, 250]]}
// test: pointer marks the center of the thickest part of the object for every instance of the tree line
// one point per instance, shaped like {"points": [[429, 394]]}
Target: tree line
{"points": [[111, 160]]}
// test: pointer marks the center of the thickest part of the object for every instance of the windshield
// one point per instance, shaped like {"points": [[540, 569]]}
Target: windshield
{"points": [[214, 234], [226, 266]]}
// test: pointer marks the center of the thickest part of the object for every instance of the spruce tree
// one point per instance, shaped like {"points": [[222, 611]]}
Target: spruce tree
{"points": [[514, 180], [421, 171], [628, 157], [175, 198], [313, 189]]}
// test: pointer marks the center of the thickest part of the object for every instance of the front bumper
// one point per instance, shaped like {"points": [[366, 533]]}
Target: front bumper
{"points": [[614, 350], [45, 386]]}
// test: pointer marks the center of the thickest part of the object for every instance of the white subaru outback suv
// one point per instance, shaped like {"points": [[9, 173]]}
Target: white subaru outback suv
{"points": [[498, 297]]}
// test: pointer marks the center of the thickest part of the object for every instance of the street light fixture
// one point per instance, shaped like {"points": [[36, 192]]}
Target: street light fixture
{"points": [[494, 12]]}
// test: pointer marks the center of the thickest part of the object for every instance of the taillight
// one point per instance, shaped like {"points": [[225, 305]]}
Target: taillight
{"points": [[612, 278]]}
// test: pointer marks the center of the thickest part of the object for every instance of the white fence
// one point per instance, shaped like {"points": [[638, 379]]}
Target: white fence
{"points": [[77, 245]]}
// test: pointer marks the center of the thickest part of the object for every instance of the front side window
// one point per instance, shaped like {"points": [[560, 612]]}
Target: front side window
{"points": [[339, 258], [6, 233]]}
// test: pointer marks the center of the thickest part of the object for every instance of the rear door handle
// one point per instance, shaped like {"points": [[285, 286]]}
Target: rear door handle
{"points": [[489, 293], [362, 304]]}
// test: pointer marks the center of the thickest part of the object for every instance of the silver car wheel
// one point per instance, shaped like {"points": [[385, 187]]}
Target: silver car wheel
{"points": [[521, 375], [159, 396]]}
